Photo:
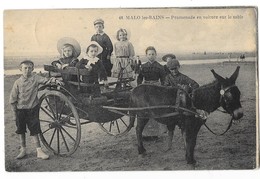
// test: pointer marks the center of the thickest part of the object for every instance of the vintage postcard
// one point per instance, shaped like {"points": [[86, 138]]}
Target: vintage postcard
{"points": [[134, 89]]}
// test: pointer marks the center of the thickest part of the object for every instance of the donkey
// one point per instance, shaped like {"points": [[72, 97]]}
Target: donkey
{"points": [[221, 92]]}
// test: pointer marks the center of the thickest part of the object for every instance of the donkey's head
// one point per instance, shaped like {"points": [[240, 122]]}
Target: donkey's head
{"points": [[230, 94]]}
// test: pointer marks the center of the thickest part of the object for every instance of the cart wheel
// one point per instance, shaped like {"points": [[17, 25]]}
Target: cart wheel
{"points": [[118, 127], [60, 124]]}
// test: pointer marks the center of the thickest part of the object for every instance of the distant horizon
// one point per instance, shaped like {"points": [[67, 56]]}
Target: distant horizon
{"points": [[158, 54]]}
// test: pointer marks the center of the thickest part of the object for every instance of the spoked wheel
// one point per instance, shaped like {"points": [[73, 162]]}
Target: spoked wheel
{"points": [[118, 127], [60, 124]]}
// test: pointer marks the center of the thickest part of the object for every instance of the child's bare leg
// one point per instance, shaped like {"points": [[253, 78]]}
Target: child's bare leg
{"points": [[36, 141], [40, 153], [23, 147]]}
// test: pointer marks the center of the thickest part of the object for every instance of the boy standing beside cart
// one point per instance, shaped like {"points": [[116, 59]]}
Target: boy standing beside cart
{"points": [[24, 103]]}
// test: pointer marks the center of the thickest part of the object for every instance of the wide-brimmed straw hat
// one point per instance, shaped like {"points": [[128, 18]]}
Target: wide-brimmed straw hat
{"points": [[170, 55], [100, 49], [68, 40]]}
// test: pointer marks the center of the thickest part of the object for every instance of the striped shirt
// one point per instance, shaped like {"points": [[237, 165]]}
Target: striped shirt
{"points": [[25, 90]]}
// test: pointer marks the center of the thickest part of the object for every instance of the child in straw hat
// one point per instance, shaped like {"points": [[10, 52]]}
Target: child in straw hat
{"points": [[69, 50]]}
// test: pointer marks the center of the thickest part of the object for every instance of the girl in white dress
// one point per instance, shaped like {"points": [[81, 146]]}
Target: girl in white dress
{"points": [[124, 53]]}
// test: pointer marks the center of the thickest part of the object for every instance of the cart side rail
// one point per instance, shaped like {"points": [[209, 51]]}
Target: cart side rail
{"points": [[178, 108], [79, 72]]}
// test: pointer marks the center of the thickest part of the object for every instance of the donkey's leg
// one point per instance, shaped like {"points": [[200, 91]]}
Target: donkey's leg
{"points": [[170, 136], [132, 119], [139, 130], [190, 132]]}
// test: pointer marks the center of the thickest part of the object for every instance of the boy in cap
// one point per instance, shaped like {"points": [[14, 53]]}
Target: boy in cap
{"points": [[104, 41], [174, 77], [24, 103]]}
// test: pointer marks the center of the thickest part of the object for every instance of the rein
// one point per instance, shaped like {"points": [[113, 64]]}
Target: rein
{"points": [[229, 126]]}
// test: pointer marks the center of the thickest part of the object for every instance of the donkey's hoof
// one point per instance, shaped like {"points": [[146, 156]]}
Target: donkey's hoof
{"points": [[141, 150], [168, 149], [191, 162], [191, 166], [143, 155]]}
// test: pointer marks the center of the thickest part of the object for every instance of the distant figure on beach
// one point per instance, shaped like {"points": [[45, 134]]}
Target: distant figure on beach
{"points": [[242, 57], [229, 57], [104, 41], [137, 66]]}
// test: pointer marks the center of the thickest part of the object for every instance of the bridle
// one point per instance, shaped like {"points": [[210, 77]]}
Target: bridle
{"points": [[222, 92], [222, 97]]}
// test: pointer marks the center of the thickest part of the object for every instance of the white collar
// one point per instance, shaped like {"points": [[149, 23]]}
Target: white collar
{"points": [[91, 60], [101, 33]]}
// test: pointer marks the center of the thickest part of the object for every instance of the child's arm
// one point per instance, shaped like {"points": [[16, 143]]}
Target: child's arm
{"points": [[167, 81], [44, 80], [74, 62], [14, 106], [131, 50], [162, 74], [13, 100], [102, 71], [81, 64], [109, 46], [57, 63]]}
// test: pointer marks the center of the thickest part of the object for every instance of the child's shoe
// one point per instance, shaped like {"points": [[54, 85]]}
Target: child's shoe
{"points": [[22, 153], [41, 154]]}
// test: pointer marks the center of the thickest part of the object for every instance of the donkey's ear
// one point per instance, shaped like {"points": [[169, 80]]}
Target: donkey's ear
{"points": [[234, 75], [218, 77]]}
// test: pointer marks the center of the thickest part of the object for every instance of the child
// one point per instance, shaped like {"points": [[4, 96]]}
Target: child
{"points": [[104, 41], [95, 66], [152, 71], [24, 103], [175, 78], [69, 50], [124, 52]]}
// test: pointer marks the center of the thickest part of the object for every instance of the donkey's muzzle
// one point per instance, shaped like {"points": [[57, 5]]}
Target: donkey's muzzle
{"points": [[238, 113]]}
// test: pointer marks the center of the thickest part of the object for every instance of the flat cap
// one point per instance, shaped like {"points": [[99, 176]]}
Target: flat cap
{"points": [[98, 21], [170, 55], [173, 63]]}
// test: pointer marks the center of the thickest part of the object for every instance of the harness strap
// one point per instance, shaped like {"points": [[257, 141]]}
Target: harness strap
{"points": [[229, 126]]}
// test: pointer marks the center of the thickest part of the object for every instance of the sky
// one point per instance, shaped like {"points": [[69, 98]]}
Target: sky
{"points": [[36, 32]]}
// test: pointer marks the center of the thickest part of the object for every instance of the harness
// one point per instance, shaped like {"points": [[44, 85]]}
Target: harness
{"points": [[222, 94]]}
